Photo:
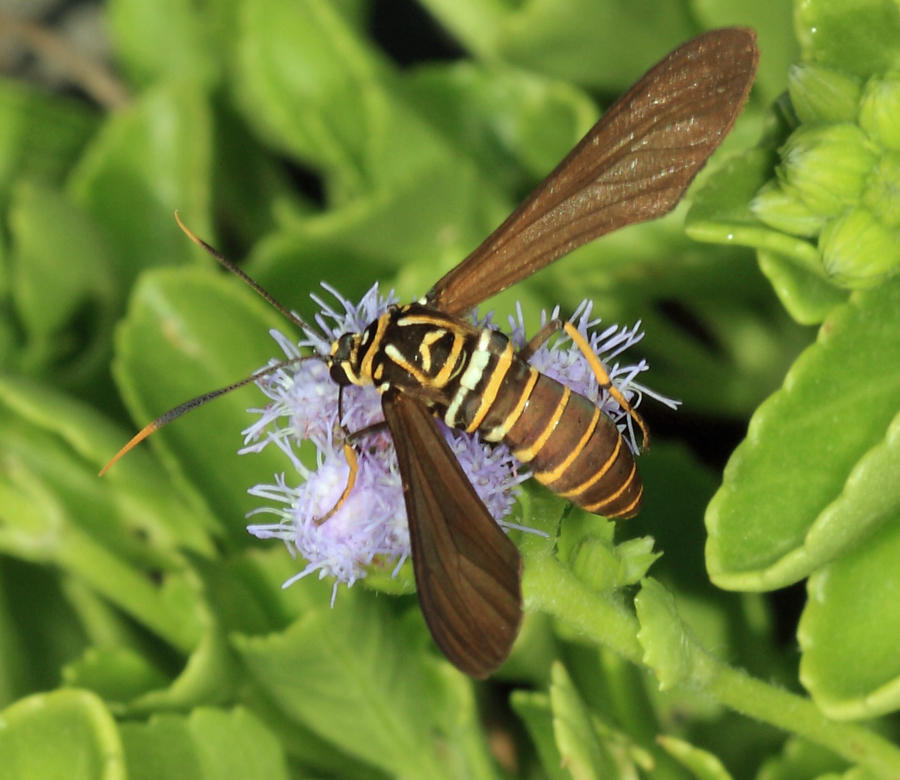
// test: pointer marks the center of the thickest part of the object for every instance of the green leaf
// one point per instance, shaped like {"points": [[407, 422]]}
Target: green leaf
{"points": [[720, 211], [56, 510], [44, 226], [813, 478], [245, 592], [601, 44], [209, 677], [40, 135], [347, 674], [702, 764], [861, 37], [166, 40], [161, 747], [118, 674], [428, 218], [582, 754], [251, 187], [147, 161], [851, 623], [75, 724], [435, 216], [236, 744], [189, 331], [820, 94], [586, 545], [534, 710], [314, 87], [807, 297], [515, 125], [725, 210], [800, 758], [667, 650], [35, 640], [606, 45], [265, 568], [299, 64], [454, 709], [207, 745], [66, 310]]}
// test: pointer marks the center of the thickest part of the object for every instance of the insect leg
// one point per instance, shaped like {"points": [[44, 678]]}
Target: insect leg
{"points": [[554, 326], [368, 430], [539, 339], [350, 454], [604, 381]]}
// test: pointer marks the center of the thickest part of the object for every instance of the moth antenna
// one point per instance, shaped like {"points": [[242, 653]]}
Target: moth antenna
{"points": [[176, 412], [229, 266]]}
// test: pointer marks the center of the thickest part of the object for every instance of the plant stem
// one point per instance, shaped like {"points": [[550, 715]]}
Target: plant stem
{"points": [[795, 714], [552, 588]]}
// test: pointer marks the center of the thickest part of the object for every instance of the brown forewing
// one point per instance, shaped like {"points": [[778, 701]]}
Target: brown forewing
{"points": [[633, 165], [467, 570]]}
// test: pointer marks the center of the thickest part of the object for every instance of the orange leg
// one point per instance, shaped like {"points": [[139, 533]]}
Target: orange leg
{"points": [[600, 372], [350, 455], [605, 382]]}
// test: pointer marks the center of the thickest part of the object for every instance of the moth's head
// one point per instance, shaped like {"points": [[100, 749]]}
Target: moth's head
{"points": [[343, 362]]}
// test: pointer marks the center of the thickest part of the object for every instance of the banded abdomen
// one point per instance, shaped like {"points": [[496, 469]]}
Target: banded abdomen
{"points": [[570, 445]]}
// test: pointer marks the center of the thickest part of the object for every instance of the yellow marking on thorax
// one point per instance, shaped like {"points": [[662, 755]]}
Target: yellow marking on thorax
{"points": [[443, 376], [422, 319], [397, 357], [365, 370], [527, 454], [425, 347]]}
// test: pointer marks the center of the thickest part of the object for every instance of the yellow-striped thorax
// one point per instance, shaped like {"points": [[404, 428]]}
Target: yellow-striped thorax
{"points": [[413, 347]]}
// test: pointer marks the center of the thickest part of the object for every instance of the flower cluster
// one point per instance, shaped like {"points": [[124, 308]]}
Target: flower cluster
{"points": [[837, 179], [370, 525]]}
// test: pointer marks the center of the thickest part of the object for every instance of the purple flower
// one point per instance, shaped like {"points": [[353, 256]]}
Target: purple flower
{"points": [[370, 527]]}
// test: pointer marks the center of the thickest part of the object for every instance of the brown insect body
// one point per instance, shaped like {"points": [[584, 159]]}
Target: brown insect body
{"points": [[474, 380], [427, 361]]}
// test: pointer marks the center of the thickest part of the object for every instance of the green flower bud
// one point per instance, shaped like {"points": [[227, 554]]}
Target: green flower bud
{"points": [[821, 95], [879, 111], [827, 165], [780, 208], [882, 192], [858, 250]]}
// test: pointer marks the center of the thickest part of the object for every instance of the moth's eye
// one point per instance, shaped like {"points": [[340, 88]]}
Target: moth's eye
{"points": [[338, 374]]}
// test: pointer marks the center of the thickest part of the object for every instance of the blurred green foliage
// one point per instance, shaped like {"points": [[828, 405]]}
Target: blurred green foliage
{"points": [[143, 633]]}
